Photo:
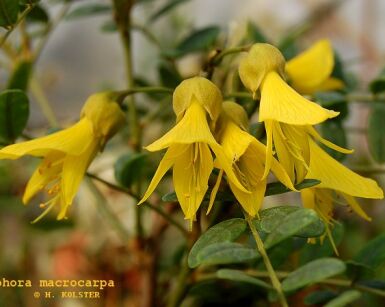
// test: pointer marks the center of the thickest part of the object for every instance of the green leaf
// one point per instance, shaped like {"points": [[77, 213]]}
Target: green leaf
{"points": [[329, 98], [129, 167], [88, 10], [255, 34], [312, 273], [240, 276], [200, 40], [14, 112], [319, 297], [378, 84], [9, 10], [335, 133], [168, 75], [225, 253], [344, 299], [109, 26], [372, 255], [272, 188], [20, 76], [376, 136], [170, 5], [292, 224], [37, 14], [226, 231], [324, 249], [272, 218], [275, 188]]}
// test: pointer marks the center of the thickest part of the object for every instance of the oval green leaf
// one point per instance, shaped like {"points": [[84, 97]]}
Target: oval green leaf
{"points": [[128, 168], [344, 299], [200, 40], [376, 136], [88, 10], [14, 112], [372, 255], [271, 218], [292, 224], [225, 253], [239, 276], [313, 272], [226, 231], [9, 10]]}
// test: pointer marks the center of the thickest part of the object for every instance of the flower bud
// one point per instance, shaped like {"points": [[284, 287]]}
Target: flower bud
{"points": [[104, 113], [236, 113], [203, 91], [261, 59]]}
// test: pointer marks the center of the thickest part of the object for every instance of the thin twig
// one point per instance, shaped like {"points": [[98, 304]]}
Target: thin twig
{"points": [[50, 27], [21, 17], [270, 270], [137, 198]]}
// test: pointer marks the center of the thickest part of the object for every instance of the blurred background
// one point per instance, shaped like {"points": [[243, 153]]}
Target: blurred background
{"points": [[84, 55]]}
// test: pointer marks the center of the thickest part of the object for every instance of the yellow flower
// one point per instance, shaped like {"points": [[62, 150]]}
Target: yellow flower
{"points": [[247, 156], [288, 116], [189, 144], [346, 183], [311, 70], [68, 153], [337, 181]]}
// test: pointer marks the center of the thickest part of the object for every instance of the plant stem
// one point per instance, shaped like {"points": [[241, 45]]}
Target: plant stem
{"points": [[43, 102], [13, 27], [178, 292], [123, 21], [50, 27], [217, 59], [332, 281], [272, 274], [146, 204], [101, 203]]}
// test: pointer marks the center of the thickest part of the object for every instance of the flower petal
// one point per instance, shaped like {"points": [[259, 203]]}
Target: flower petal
{"points": [[214, 191], [311, 68], [269, 125], [74, 168], [334, 175], [258, 150], [329, 144], [47, 171], [73, 140], [191, 173], [165, 164], [223, 162], [250, 202], [356, 206], [192, 128], [235, 141], [330, 84], [281, 103]]}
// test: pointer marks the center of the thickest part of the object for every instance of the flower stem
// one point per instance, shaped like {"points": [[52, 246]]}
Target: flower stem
{"points": [[146, 204], [13, 27], [103, 207], [43, 102], [261, 249]]}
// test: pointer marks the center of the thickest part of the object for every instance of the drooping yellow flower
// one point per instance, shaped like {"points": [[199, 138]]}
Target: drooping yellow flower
{"points": [[287, 115], [68, 153], [338, 184], [247, 156], [337, 177], [311, 70], [197, 104]]}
